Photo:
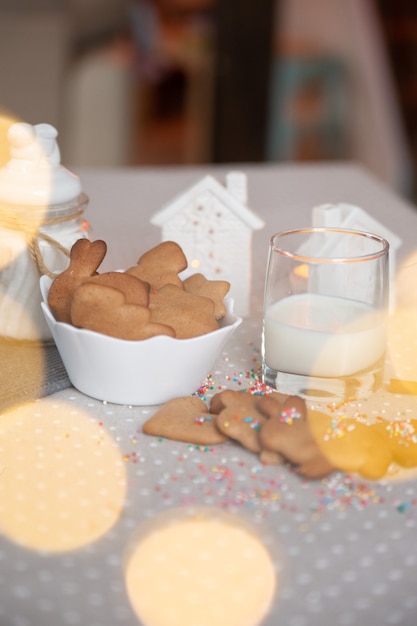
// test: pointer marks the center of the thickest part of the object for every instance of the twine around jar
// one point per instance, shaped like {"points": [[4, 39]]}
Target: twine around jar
{"points": [[33, 234]]}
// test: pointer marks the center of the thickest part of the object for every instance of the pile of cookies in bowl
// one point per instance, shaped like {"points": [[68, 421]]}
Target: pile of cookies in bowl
{"points": [[140, 336]]}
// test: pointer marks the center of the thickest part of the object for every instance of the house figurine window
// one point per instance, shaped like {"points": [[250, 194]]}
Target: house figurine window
{"points": [[213, 224]]}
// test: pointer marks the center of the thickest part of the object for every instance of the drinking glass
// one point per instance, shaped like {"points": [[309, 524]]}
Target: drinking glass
{"points": [[325, 312]]}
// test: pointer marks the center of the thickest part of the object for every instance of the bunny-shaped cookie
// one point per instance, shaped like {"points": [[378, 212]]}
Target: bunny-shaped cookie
{"points": [[135, 290], [85, 258]]}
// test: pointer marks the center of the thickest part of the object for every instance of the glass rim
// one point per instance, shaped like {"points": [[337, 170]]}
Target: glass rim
{"points": [[323, 259]]}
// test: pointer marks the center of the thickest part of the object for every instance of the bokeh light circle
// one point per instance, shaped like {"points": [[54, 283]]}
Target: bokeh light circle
{"points": [[203, 569], [62, 477]]}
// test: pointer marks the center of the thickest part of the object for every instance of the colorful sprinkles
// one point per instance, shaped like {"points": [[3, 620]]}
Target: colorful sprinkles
{"points": [[207, 386], [252, 423], [288, 415], [236, 483], [338, 428], [202, 419], [402, 430], [267, 490], [342, 491]]}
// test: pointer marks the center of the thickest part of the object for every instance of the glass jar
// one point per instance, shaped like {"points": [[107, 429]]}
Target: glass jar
{"points": [[34, 241], [41, 209]]}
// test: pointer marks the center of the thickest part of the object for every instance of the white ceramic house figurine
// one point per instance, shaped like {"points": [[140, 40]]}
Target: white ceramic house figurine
{"points": [[344, 215], [213, 224]]}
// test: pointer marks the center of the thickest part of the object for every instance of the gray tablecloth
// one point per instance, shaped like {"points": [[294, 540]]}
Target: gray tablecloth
{"points": [[344, 549]]}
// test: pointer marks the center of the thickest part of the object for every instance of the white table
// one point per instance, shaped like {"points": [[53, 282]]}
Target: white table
{"points": [[344, 549]]}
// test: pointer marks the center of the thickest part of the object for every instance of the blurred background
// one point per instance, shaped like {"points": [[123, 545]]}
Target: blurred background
{"points": [[183, 82]]}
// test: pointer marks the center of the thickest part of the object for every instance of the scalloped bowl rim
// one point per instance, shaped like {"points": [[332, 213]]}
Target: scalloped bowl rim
{"points": [[105, 367]]}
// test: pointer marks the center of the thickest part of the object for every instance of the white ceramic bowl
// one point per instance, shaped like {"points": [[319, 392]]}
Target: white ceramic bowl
{"points": [[147, 372]]}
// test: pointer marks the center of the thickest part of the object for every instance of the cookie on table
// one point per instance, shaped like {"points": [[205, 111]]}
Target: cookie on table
{"points": [[351, 445], [238, 418], [185, 419], [270, 457], [225, 398], [216, 290], [287, 433], [161, 265], [104, 310], [85, 259], [270, 401], [189, 315], [222, 399], [402, 440]]}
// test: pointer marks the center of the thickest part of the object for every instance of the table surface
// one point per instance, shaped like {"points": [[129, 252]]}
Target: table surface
{"points": [[343, 549]]}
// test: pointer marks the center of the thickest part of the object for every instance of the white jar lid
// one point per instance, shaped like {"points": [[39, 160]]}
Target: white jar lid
{"points": [[34, 174]]}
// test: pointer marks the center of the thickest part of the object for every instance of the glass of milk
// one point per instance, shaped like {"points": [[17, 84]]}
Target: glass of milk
{"points": [[325, 312]]}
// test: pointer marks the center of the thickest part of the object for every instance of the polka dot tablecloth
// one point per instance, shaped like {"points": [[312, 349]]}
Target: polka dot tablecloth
{"points": [[80, 480], [101, 525]]}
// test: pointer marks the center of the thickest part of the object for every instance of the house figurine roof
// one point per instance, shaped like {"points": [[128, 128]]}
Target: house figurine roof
{"points": [[346, 215], [233, 195], [350, 216]]}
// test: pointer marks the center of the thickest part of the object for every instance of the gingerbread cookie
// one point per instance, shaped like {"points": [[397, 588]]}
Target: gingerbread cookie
{"points": [[153, 283], [246, 430], [85, 258], [240, 420], [185, 419], [134, 290], [189, 315], [225, 398], [281, 429], [222, 399], [216, 290], [273, 426], [161, 265], [105, 310], [270, 457], [351, 445], [286, 432], [402, 440]]}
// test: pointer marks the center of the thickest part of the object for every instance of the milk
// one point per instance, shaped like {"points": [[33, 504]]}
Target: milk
{"points": [[322, 336]]}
